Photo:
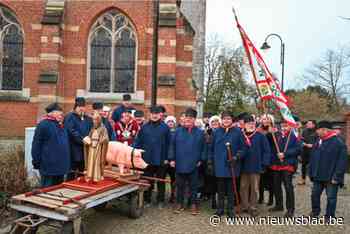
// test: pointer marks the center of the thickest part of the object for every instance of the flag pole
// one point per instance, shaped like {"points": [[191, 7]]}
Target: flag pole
{"points": [[254, 76]]}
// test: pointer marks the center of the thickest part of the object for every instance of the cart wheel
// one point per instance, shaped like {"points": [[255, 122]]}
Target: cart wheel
{"points": [[135, 208], [68, 228], [101, 207]]}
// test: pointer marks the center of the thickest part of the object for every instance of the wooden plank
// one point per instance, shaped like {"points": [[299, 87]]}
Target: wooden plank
{"points": [[51, 196], [52, 204], [67, 192], [43, 212]]}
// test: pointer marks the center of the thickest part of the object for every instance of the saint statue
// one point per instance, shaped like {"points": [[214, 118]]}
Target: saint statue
{"points": [[95, 150]]}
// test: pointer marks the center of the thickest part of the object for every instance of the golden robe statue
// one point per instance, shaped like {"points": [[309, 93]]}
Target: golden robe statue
{"points": [[95, 150]]}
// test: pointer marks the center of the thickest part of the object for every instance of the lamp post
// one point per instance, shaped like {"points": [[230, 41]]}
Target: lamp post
{"points": [[266, 46]]}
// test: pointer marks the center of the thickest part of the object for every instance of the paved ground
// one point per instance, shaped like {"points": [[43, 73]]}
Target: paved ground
{"points": [[155, 220], [113, 219]]}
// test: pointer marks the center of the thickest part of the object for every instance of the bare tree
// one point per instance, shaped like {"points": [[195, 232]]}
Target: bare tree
{"points": [[331, 72]]}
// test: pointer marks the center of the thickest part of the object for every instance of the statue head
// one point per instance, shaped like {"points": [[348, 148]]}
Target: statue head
{"points": [[96, 119]]}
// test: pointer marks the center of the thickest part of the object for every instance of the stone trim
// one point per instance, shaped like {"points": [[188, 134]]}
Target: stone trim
{"points": [[144, 62], [175, 102], [184, 64], [29, 60], [164, 59], [15, 96], [36, 26], [136, 98]]}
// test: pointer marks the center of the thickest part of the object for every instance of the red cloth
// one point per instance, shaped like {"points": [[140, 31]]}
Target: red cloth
{"points": [[289, 168], [132, 127], [48, 117]]}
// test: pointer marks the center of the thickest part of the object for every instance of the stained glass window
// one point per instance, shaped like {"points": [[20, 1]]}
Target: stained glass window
{"points": [[11, 51], [112, 54]]}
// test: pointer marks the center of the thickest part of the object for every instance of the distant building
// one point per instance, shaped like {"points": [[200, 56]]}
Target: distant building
{"points": [[55, 50], [195, 12]]}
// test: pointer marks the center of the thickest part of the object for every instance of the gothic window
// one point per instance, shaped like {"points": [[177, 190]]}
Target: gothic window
{"points": [[112, 51], [11, 51]]}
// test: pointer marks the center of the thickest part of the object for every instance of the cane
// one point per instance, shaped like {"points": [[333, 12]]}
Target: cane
{"points": [[230, 158]]}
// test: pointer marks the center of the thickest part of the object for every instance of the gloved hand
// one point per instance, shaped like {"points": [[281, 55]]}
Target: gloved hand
{"points": [[239, 155], [232, 162], [36, 165]]}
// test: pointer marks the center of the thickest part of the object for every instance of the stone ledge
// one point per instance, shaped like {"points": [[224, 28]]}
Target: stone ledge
{"points": [[136, 98], [15, 96]]}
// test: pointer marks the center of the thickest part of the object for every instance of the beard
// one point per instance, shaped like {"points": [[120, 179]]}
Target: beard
{"points": [[265, 127]]}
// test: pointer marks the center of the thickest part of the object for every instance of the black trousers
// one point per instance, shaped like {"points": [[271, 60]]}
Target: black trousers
{"points": [[184, 180], [224, 186], [305, 158], [76, 166], [159, 172], [266, 183], [285, 178]]}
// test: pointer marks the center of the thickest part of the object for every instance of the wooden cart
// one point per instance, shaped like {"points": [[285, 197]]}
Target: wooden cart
{"points": [[62, 206]]}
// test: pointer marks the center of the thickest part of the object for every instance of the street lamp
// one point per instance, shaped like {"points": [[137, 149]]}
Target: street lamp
{"points": [[266, 46]]}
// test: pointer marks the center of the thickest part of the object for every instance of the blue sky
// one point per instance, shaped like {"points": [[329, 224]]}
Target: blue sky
{"points": [[308, 28]]}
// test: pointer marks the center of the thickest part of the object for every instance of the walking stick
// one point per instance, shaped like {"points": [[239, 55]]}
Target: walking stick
{"points": [[230, 158]]}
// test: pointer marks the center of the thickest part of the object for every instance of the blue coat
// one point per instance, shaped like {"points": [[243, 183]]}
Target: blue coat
{"points": [[218, 151], [77, 129], [258, 155], [111, 134], [117, 113], [154, 138], [187, 149], [292, 152], [50, 149], [328, 161]]}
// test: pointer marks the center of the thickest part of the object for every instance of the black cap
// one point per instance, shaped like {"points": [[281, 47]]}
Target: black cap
{"points": [[227, 114], [249, 119], [127, 110], [190, 112], [207, 115], [155, 109], [241, 116], [139, 113], [53, 107], [324, 124], [79, 101], [97, 106], [126, 97], [162, 108]]}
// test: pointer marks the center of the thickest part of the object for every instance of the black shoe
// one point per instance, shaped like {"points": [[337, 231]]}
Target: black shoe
{"points": [[275, 209], [289, 214], [270, 203], [230, 215], [313, 215], [219, 213]]}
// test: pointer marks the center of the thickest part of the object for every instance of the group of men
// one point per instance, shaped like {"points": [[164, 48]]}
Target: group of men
{"points": [[238, 157]]}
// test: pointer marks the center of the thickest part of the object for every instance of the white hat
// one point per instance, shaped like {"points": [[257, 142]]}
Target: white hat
{"points": [[106, 109], [170, 118], [214, 118]]}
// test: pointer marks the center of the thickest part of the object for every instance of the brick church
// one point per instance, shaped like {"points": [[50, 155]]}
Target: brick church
{"points": [[55, 50]]}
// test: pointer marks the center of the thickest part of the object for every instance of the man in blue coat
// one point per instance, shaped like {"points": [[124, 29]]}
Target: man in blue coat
{"points": [[78, 126], [328, 165], [117, 113], [257, 159], [50, 147], [154, 138], [284, 164], [187, 152], [98, 106], [218, 156]]}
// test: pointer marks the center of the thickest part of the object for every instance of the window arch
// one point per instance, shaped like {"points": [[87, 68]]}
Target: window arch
{"points": [[112, 54], [11, 51]]}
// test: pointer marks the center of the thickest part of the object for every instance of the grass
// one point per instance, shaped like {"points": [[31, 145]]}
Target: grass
{"points": [[13, 176]]}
